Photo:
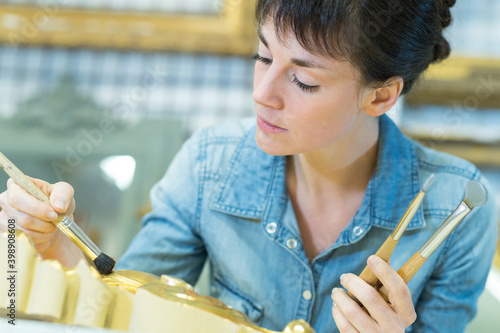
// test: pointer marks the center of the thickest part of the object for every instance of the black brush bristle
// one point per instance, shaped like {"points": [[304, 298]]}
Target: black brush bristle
{"points": [[104, 264]]}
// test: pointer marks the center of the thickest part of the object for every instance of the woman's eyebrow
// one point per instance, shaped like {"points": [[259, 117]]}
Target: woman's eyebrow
{"points": [[297, 62], [306, 63]]}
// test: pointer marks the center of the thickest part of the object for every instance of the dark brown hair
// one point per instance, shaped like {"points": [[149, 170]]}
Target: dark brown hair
{"points": [[382, 38]]}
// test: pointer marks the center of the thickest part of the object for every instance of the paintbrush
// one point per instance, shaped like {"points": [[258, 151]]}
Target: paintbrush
{"points": [[103, 263], [385, 251], [475, 195]]}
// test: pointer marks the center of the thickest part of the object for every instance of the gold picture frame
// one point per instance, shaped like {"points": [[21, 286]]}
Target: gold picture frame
{"points": [[231, 31], [459, 80], [461, 84]]}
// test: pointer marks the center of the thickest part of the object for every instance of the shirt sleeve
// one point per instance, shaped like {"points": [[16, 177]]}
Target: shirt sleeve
{"points": [[448, 301], [169, 242]]}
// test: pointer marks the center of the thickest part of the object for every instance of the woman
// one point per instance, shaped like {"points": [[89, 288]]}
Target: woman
{"points": [[289, 209]]}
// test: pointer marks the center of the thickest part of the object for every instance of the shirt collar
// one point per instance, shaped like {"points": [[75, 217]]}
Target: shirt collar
{"points": [[256, 178]]}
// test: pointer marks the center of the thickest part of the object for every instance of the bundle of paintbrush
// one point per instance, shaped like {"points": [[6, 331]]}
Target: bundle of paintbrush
{"points": [[475, 195]]}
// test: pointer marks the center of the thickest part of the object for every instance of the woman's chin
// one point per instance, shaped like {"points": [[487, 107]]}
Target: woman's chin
{"points": [[271, 145]]}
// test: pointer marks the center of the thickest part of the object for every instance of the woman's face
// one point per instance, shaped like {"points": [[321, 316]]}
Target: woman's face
{"points": [[304, 102]]}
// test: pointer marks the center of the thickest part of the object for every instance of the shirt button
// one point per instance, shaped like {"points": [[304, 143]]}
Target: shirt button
{"points": [[271, 228], [307, 295], [357, 231], [291, 243]]}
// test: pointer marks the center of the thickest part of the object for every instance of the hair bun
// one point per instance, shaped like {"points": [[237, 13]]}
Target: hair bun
{"points": [[445, 12], [442, 50]]}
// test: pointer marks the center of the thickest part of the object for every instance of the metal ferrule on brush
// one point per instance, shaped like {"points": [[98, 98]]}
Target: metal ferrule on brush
{"points": [[73, 231], [412, 209], [444, 230], [410, 213], [475, 195]]}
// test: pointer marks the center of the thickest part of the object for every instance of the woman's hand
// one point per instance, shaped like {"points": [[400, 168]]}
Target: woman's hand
{"points": [[382, 317], [35, 218]]}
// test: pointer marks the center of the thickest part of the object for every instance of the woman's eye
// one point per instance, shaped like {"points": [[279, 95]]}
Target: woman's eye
{"points": [[305, 87], [263, 60]]}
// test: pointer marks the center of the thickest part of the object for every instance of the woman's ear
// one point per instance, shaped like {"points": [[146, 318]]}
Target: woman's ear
{"points": [[381, 100]]}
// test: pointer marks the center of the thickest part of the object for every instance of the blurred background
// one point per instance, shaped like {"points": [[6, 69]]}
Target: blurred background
{"points": [[102, 94]]}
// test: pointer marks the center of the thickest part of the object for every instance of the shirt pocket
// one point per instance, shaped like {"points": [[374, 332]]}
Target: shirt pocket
{"points": [[236, 299]]}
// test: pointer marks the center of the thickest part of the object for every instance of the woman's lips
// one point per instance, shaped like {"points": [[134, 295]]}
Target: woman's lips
{"points": [[269, 128]]}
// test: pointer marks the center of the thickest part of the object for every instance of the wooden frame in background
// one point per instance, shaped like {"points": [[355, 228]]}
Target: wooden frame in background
{"points": [[471, 83], [460, 80], [461, 83], [232, 31]]}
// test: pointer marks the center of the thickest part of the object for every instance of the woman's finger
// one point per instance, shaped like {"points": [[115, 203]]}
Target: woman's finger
{"points": [[24, 202], [30, 223], [37, 237], [61, 197], [341, 321], [352, 311], [22, 219], [399, 294], [368, 297]]}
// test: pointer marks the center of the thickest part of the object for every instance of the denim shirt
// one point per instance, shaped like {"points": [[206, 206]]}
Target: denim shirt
{"points": [[225, 200]]}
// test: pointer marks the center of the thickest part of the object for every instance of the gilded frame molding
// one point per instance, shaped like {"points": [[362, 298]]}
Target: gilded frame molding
{"points": [[464, 85], [231, 31], [460, 80]]}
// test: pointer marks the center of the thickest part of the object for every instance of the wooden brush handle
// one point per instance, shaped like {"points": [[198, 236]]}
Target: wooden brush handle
{"points": [[384, 252], [411, 267], [25, 183]]}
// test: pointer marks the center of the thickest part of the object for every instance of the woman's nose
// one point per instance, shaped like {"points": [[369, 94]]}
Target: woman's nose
{"points": [[268, 89]]}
